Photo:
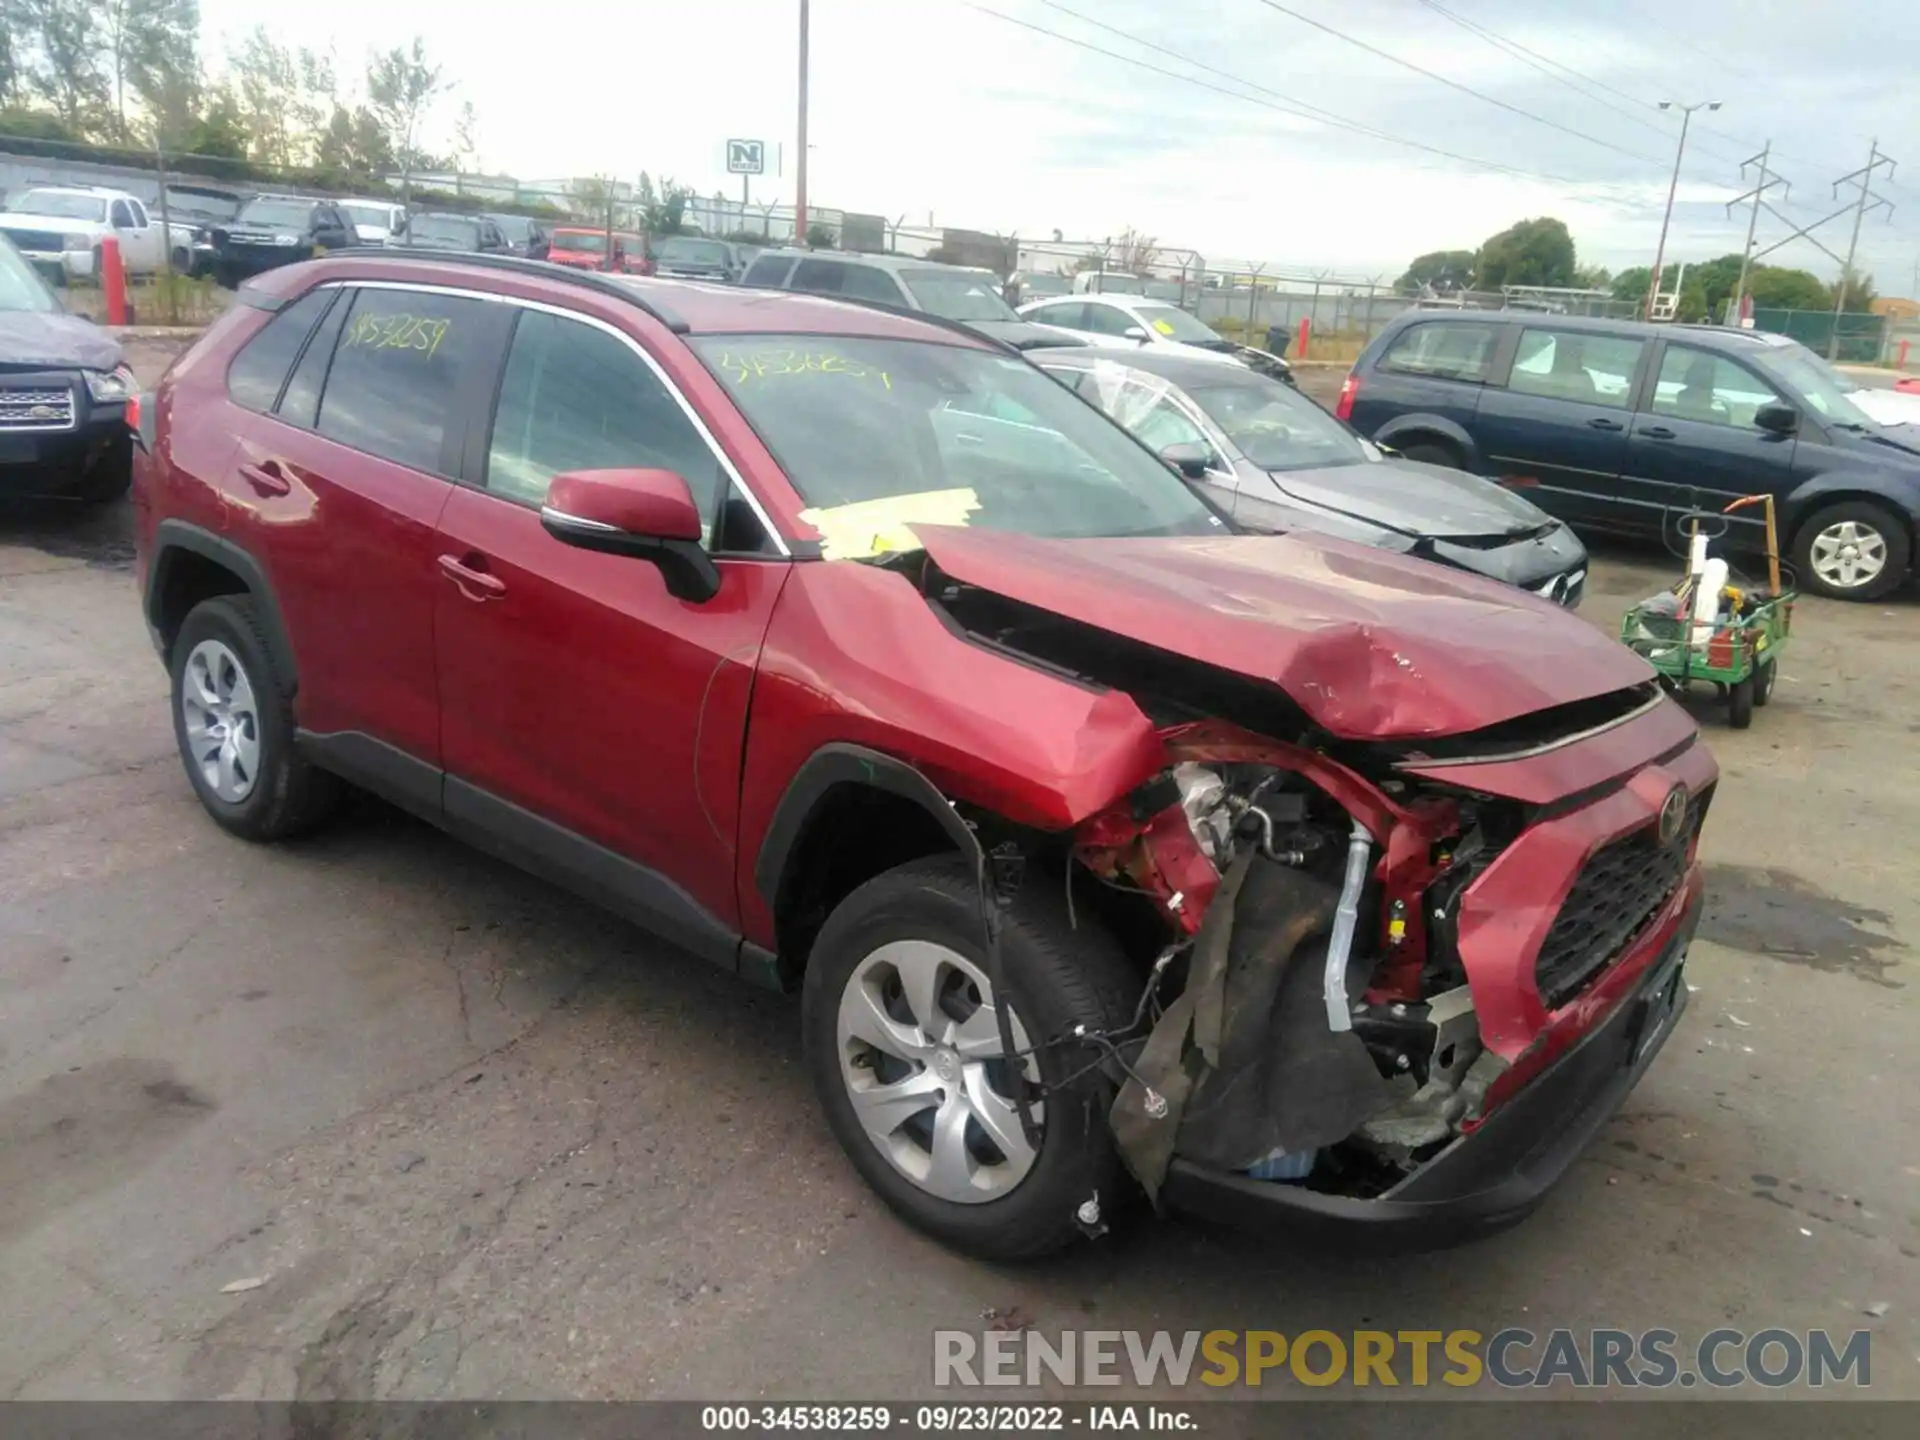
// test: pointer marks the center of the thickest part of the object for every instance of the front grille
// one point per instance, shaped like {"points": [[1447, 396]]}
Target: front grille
{"points": [[1622, 888], [42, 240], [36, 409]]}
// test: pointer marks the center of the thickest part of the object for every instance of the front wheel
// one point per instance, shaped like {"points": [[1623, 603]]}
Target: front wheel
{"points": [[1430, 452], [1764, 674], [902, 1041], [1740, 703], [1855, 550]]}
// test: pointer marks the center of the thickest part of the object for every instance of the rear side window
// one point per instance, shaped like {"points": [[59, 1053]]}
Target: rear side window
{"points": [[1576, 365], [260, 369], [396, 372], [301, 402], [1447, 352], [768, 270], [863, 282], [1069, 314]]}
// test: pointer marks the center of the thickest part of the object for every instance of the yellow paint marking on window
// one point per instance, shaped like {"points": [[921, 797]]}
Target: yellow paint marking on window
{"points": [[1165, 327], [418, 333], [744, 365], [865, 528]]}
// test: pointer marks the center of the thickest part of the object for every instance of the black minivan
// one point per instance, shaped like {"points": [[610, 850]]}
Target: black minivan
{"points": [[1623, 427]]}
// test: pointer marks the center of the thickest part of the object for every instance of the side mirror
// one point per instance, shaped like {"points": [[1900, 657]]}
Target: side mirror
{"points": [[1188, 458], [1136, 333], [647, 514], [1777, 419]]}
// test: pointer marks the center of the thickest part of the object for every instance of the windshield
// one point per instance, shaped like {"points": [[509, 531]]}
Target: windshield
{"points": [[517, 228], [63, 207], [286, 214], [588, 242], [1173, 323], [444, 229], [957, 295], [377, 217], [1818, 382], [876, 435], [194, 205], [1274, 425], [681, 250], [21, 288]]}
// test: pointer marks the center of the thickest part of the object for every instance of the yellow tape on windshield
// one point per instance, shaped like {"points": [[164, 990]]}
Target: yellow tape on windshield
{"points": [[866, 528]]}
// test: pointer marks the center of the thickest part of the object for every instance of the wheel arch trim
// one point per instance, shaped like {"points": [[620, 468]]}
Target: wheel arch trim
{"points": [[176, 537]]}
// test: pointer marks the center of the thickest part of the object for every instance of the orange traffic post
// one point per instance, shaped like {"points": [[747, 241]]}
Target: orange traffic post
{"points": [[1904, 345], [113, 280], [1306, 330]]}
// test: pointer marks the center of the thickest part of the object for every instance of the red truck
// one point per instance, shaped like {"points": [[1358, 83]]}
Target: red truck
{"points": [[587, 250]]}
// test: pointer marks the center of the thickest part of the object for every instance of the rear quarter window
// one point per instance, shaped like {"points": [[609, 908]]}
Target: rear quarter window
{"points": [[260, 368], [769, 270], [1443, 351]]}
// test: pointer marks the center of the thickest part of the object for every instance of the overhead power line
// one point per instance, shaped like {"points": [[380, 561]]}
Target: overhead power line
{"points": [[1299, 109], [1453, 84]]}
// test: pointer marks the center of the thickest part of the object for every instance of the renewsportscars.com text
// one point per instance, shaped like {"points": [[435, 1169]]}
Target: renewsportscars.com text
{"points": [[1512, 1358]]}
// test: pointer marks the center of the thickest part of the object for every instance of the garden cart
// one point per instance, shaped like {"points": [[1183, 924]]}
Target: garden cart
{"points": [[1706, 629]]}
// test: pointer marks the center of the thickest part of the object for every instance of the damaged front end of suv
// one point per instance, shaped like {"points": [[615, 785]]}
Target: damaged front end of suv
{"points": [[1409, 910]]}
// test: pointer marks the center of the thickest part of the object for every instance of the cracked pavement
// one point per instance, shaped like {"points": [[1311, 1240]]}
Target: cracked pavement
{"points": [[477, 1139]]}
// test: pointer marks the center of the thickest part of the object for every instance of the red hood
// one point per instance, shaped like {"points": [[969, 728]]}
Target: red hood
{"points": [[1372, 646]]}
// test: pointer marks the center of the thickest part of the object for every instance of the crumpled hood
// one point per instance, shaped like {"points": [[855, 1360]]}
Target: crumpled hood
{"points": [[1419, 499], [55, 342], [1371, 646]]}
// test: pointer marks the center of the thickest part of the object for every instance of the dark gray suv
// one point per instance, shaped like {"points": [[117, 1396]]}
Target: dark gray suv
{"points": [[1614, 425]]}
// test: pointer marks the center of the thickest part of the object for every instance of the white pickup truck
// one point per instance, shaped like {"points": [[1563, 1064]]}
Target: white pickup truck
{"points": [[59, 228]]}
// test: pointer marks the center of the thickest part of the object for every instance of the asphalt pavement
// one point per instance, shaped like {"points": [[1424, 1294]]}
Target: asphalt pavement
{"points": [[371, 1115]]}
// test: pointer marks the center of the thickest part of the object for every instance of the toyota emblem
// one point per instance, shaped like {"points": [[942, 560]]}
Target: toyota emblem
{"points": [[1673, 815]]}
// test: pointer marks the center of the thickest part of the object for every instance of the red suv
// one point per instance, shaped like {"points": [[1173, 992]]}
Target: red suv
{"points": [[1301, 882]]}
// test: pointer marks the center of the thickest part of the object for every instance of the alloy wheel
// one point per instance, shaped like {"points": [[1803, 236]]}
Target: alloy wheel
{"points": [[920, 1055], [1849, 554], [222, 721]]}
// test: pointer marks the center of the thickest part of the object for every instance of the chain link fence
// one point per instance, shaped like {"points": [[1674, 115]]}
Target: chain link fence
{"points": [[1855, 338]]}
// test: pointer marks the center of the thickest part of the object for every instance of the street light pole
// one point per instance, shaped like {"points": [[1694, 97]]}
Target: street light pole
{"points": [[800, 198], [1660, 254]]}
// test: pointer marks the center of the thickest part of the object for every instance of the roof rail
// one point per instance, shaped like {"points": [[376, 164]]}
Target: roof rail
{"points": [[958, 327], [519, 265]]}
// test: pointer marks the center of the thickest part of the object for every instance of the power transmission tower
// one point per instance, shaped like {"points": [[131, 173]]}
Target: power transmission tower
{"points": [[1757, 195], [1863, 177]]}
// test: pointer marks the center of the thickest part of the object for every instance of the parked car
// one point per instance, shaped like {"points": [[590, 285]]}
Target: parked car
{"points": [[59, 229], [869, 633], [1025, 285], [1275, 461], [473, 233], [1623, 427], [695, 257], [1150, 324], [375, 221], [64, 387], [203, 208], [524, 235], [954, 292], [1108, 282], [275, 230], [582, 249]]}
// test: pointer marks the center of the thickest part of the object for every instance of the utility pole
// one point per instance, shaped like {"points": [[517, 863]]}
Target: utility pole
{"points": [[800, 198], [1757, 194], [1660, 252], [1863, 177]]}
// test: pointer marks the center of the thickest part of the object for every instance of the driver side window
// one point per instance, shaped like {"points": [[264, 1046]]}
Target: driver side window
{"points": [[1108, 319], [576, 398]]}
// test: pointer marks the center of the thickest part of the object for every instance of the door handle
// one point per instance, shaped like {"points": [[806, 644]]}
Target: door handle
{"points": [[265, 478], [1600, 422], [1657, 432], [475, 584]]}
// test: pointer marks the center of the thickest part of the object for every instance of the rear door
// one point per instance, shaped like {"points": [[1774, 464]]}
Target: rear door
{"points": [[1432, 370], [1694, 444], [344, 481], [1558, 427], [593, 723]]}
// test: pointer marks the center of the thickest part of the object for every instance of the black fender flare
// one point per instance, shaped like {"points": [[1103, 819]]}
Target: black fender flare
{"points": [[1403, 427], [845, 764], [176, 537]]}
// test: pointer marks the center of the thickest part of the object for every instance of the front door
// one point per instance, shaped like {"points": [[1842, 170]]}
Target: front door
{"points": [[1558, 429], [1695, 446], [593, 724]]}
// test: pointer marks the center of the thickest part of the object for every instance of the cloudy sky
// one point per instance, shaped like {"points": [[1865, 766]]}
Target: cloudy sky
{"points": [[1227, 126]]}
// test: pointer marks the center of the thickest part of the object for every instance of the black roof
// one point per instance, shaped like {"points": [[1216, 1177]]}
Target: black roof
{"points": [[1592, 324]]}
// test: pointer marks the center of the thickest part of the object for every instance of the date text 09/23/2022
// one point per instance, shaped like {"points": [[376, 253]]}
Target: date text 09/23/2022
{"points": [[962, 1419]]}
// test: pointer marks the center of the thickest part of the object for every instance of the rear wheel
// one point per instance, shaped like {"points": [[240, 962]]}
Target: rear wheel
{"points": [[1854, 550], [899, 1021], [1740, 703], [1764, 674]]}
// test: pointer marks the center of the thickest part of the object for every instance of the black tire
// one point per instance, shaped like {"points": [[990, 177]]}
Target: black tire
{"points": [[1058, 977], [1764, 674], [110, 476], [1432, 452], [288, 795], [1740, 703], [1891, 529]]}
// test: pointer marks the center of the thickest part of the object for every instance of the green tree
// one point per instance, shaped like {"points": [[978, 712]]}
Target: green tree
{"points": [[1775, 287], [1632, 284], [262, 74], [662, 208], [13, 54], [64, 66], [1593, 277], [466, 137], [401, 88], [218, 131], [1860, 294], [1443, 270], [1532, 252], [821, 237]]}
